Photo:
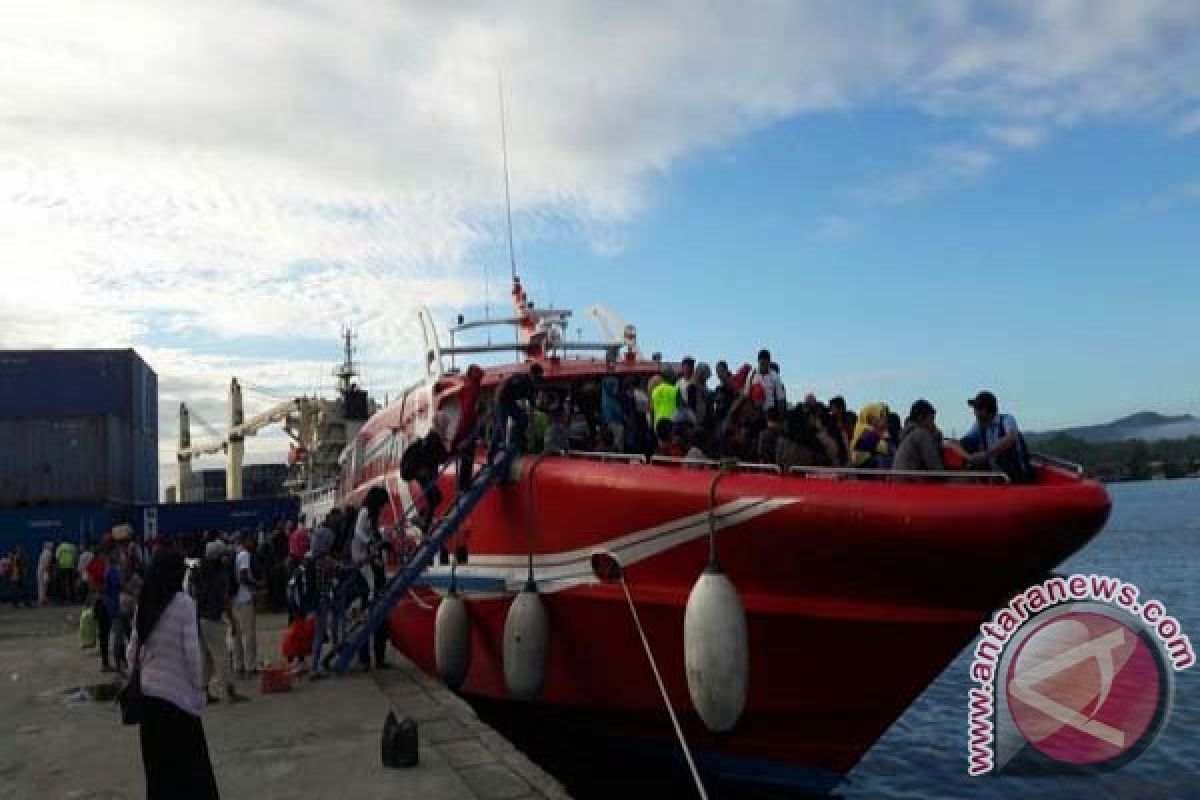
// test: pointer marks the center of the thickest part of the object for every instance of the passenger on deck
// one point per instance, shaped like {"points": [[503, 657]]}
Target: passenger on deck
{"points": [[588, 399], [894, 427], [831, 437], [767, 376], [870, 448], [920, 446], [684, 419], [687, 372], [579, 432], [843, 418], [466, 432], [539, 422], [724, 395], [557, 439], [767, 448], [995, 442], [699, 398], [612, 410], [664, 433], [420, 464], [637, 415], [516, 387], [664, 399]]}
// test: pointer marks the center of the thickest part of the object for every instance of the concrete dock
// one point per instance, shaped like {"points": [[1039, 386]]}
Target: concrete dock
{"points": [[320, 740]]}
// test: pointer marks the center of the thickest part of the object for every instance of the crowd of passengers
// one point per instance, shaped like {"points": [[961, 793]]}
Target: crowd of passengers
{"points": [[745, 416]]}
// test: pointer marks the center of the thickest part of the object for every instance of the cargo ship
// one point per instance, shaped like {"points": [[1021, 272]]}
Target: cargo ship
{"points": [[794, 616]]}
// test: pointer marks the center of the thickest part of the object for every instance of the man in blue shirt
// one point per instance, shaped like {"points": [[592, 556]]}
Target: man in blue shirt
{"points": [[995, 442]]}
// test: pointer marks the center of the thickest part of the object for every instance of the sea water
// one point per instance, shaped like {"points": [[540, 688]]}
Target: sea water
{"points": [[1153, 541]]}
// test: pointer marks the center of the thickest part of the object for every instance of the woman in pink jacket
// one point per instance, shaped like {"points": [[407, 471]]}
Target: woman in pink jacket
{"points": [[166, 644]]}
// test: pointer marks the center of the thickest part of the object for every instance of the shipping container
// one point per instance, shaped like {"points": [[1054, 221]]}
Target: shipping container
{"points": [[77, 426], [78, 383], [177, 519], [86, 459]]}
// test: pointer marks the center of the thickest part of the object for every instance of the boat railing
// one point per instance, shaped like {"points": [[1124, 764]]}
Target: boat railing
{"points": [[828, 473], [318, 493], [1055, 461], [317, 502], [675, 461], [625, 458], [709, 463], [933, 476]]}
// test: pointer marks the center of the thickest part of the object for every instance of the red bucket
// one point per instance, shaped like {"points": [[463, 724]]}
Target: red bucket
{"points": [[276, 679]]}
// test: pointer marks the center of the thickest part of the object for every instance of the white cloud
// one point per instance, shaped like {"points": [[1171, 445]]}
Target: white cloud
{"points": [[835, 227], [1018, 137], [1187, 124], [235, 169]]}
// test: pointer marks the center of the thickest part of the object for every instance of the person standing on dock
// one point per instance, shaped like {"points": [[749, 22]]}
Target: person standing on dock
{"points": [[211, 590], [327, 571], [245, 632], [110, 599], [45, 569], [66, 557], [166, 646]]}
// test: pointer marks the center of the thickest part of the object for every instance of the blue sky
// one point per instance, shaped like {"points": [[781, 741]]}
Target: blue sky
{"points": [[900, 200], [1063, 275]]}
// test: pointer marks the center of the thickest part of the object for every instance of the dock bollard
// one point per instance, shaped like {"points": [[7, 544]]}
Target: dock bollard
{"points": [[399, 747]]}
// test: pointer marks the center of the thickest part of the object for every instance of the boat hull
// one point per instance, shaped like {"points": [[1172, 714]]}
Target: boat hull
{"points": [[857, 594]]}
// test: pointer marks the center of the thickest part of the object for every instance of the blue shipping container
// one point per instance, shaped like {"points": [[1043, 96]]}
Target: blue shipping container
{"points": [[44, 390], [77, 383], [89, 459], [176, 519]]}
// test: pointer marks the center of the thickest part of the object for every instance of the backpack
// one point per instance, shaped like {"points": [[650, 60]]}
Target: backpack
{"points": [[425, 453], [302, 587], [1015, 462]]}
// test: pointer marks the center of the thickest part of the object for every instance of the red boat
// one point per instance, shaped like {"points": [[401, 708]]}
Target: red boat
{"points": [[858, 587]]}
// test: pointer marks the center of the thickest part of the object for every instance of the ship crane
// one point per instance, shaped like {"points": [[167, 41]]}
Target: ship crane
{"points": [[233, 443], [314, 424]]}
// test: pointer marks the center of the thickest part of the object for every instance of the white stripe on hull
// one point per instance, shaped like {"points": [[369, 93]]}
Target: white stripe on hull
{"points": [[563, 570]]}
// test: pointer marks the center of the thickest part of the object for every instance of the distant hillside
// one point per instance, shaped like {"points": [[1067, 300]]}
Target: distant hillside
{"points": [[1142, 445], [1148, 426]]}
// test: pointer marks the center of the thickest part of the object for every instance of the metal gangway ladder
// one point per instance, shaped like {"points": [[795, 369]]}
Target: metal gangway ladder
{"points": [[410, 572]]}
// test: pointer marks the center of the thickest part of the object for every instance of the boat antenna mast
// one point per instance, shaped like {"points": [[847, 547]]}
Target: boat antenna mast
{"points": [[512, 258], [348, 370]]}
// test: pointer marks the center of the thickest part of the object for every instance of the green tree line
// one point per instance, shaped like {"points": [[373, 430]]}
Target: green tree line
{"points": [[1133, 459]]}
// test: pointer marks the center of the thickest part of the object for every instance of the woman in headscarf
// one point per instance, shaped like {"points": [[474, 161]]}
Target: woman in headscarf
{"points": [[166, 645], [870, 447], [366, 552]]}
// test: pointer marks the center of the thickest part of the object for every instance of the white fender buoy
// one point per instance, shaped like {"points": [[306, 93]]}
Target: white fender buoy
{"points": [[452, 640], [716, 650], [526, 631]]}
